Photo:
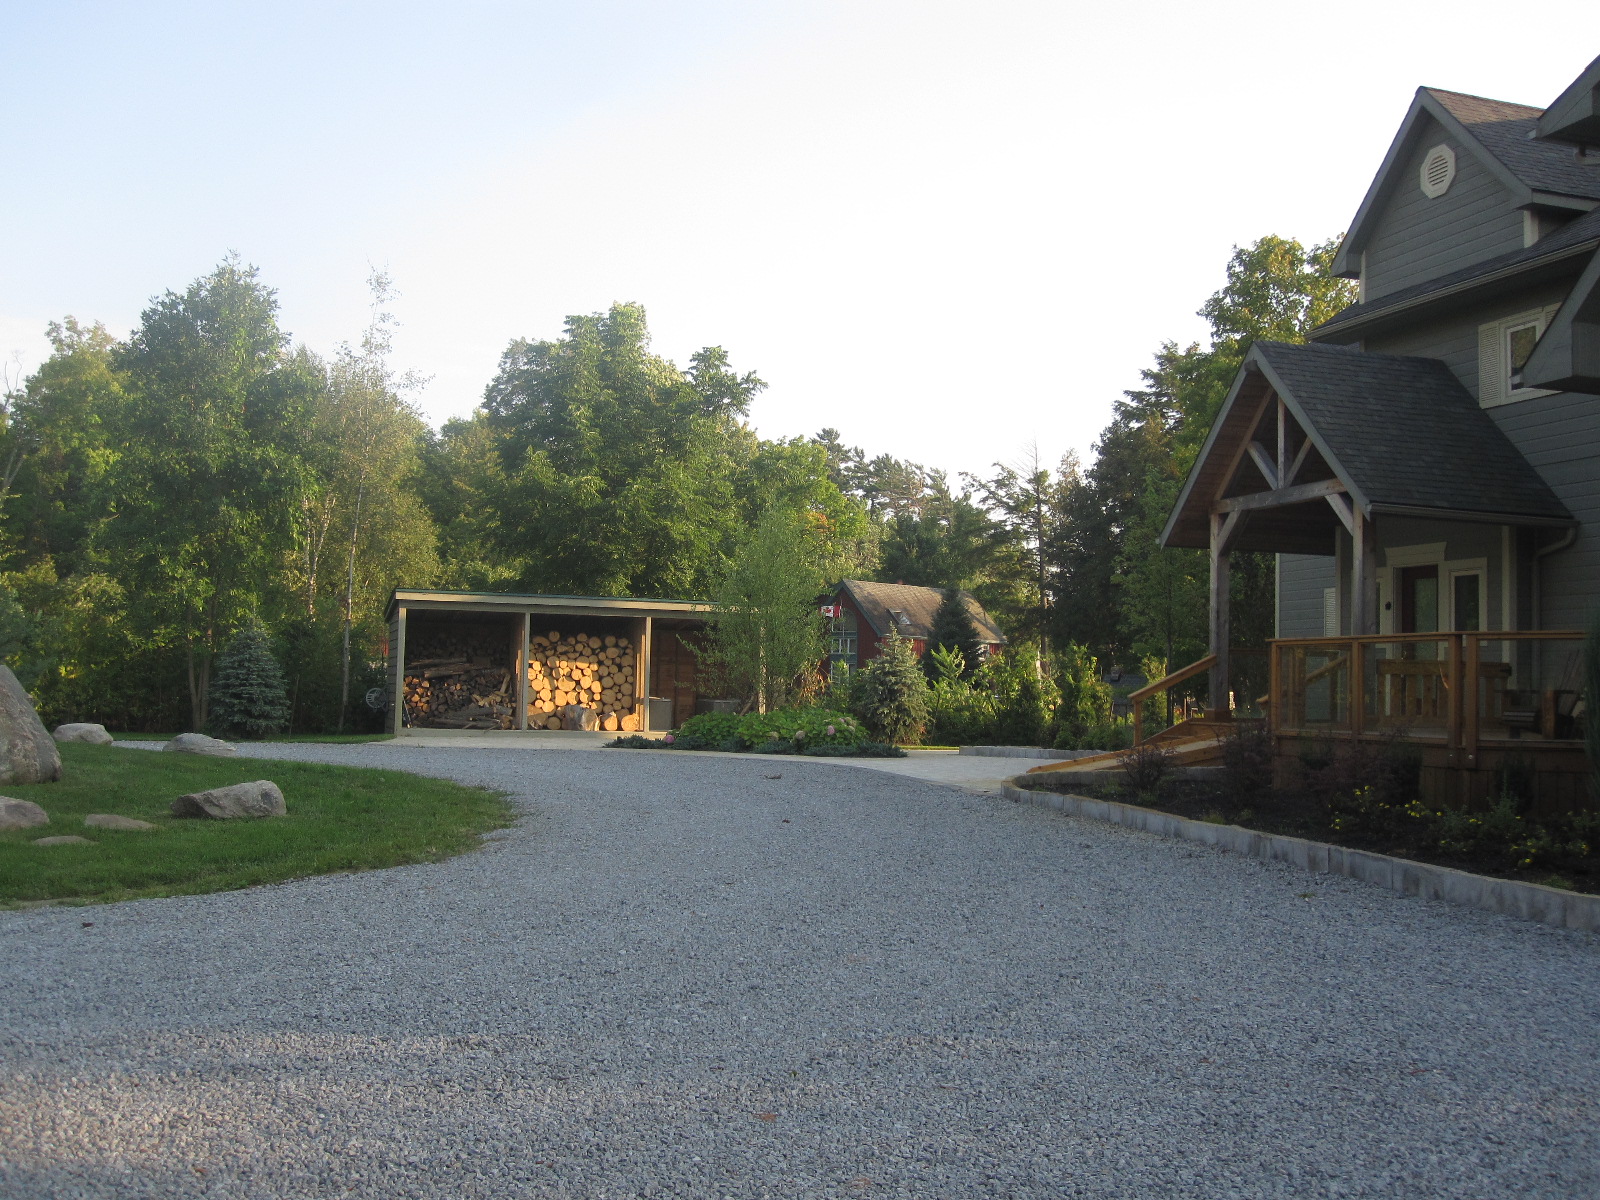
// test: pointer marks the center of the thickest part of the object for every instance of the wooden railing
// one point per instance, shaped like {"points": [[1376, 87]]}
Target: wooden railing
{"points": [[1458, 689], [1182, 675]]}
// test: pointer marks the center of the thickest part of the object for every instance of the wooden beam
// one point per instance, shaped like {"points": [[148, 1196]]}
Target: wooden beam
{"points": [[1218, 699], [1278, 497], [1283, 443], [1263, 461], [1244, 445], [1293, 472], [1232, 526], [1364, 577], [399, 652], [522, 672], [1346, 511]]}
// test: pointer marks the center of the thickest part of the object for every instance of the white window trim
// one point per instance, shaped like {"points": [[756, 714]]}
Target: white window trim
{"points": [[1494, 353], [1449, 573], [1431, 554]]}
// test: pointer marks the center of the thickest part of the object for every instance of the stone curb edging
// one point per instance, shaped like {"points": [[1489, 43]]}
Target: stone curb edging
{"points": [[1529, 901], [1024, 752]]}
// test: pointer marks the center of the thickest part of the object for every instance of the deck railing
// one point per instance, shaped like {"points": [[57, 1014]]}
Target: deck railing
{"points": [[1459, 689]]}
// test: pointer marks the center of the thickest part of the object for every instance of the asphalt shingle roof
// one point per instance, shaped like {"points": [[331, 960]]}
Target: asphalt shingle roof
{"points": [[1505, 131], [1405, 433], [877, 600]]}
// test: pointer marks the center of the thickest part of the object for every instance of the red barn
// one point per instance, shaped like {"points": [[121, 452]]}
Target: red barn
{"points": [[865, 612]]}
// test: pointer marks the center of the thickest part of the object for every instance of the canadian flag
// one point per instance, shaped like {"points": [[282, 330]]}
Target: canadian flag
{"points": [[830, 610]]}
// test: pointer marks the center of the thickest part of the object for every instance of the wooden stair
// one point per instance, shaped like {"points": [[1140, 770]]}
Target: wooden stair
{"points": [[1195, 742]]}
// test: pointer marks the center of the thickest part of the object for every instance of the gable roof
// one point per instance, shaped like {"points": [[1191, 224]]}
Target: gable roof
{"points": [[1500, 136], [1574, 116], [1567, 357], [878, 601], [1401, 433]]}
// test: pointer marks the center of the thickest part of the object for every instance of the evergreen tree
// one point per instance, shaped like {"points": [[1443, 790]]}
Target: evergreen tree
{"points": [[248, 698], [892, 700], [953, 629]]}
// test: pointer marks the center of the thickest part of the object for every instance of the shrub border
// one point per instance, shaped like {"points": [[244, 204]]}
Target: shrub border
{"points": [[1529, 901]]}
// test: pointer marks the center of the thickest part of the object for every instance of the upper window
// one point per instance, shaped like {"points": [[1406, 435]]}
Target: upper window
{"points": [[1503, 350], [842, 644], [1438, 171]]}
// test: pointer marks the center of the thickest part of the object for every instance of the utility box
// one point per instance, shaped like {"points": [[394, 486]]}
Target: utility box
{"points": [[660, 714], [716, 706]]}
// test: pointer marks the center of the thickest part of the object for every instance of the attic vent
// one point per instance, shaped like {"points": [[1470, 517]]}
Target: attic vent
{"points": [[900, 617], [1438, 171]]}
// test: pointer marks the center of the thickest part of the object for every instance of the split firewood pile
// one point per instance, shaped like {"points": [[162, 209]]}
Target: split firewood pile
{"points": [[582, 681], [459, 693]]}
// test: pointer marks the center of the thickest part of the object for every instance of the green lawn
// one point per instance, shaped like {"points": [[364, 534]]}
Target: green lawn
{"points": [[340, 819]]}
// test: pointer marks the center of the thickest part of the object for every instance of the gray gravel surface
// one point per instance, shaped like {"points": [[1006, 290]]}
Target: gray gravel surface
{"points": [[684, 977]]}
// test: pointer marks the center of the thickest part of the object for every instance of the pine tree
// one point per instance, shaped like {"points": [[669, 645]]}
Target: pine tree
{"points": [[893, 696], [248, 697], [953, 627]]}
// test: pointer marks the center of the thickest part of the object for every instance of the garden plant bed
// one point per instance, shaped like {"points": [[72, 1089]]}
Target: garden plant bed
{"points": [[339, 819], [1300, 815]]}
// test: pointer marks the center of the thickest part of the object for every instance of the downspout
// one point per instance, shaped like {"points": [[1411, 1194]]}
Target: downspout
{"points": [[1565, 543]]}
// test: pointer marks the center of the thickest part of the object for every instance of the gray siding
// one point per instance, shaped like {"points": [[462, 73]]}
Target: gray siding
{"points": [[1415, 239], [1560, 436], [1454, 338], [1301, 580]]}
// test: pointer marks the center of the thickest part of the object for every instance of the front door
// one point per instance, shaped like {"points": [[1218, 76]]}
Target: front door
{"points": [[1419, 599]]}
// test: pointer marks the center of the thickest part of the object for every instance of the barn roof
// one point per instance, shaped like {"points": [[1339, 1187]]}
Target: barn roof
{"points": [[910, 609]]}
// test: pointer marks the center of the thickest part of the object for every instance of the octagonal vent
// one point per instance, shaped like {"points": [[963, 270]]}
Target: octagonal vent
{"points": [[1438, 171]]}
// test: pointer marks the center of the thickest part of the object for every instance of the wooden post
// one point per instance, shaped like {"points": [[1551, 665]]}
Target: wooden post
{"points": [[1470, 697], [1364, 576], [399, 652], [1218, 699], [647, 652], [1358, 687], [522, 673]]}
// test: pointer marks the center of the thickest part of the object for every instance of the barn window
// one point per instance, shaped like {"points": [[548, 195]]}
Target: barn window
{"points": [[842, 645]]}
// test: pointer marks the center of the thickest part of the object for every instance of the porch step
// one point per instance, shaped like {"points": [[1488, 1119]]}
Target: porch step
{"points": [[1196, 742]]}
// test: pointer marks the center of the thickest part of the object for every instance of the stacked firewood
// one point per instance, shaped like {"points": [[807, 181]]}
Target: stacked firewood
{"points": [[460, 694], [586, 672]]}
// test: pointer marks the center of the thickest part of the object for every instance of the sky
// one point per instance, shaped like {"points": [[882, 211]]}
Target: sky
{"points": [[952, 231]]}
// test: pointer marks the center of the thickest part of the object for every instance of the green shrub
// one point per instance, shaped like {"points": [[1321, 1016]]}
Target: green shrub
{"points": [[959, 714], [1024, 702], [1085, 696], [248, 699], [801, 726], [709, 727], [892, 695]]}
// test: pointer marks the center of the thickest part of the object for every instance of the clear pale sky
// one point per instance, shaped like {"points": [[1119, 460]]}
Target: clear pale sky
{"points": [[947, 229]]}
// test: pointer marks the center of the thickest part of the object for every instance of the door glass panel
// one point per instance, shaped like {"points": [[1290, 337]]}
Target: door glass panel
{"points": [[1468, 602]]}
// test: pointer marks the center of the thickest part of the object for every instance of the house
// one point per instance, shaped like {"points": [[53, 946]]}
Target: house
{"points": [[1427, 469], [863, 613]]}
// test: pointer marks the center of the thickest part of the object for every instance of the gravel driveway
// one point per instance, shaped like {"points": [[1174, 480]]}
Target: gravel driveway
{"points": [[719, 977]]}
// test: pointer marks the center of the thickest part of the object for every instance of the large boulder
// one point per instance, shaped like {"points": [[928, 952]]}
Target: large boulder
{"points": [[21, 814], [258, 799], [82, 731], [27, 753], [199, 743]]}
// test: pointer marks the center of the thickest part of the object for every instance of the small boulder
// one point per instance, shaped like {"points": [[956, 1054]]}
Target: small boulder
{"points": [[113, 821], [65, 839], [82, 731], [21, 814], [199, 743], [27, 753], [259, 799]]}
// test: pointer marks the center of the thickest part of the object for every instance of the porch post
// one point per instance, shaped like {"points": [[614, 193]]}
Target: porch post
{"points": [[1217, 702], [1364, 575]]}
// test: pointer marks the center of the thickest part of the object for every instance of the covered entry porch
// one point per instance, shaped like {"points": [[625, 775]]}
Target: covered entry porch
{"points": [[1410, 533]]}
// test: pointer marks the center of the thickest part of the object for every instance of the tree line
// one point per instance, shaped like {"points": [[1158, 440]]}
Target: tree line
{"points": [[206, 474]]}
